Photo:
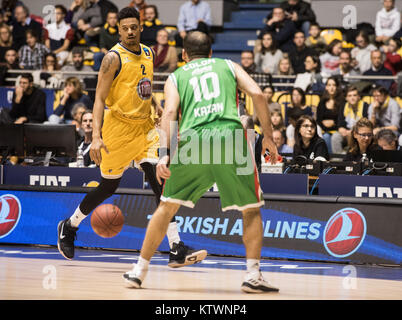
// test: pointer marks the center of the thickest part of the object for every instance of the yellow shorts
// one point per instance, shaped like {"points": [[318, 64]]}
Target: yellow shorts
{"points": [[127, 140]]}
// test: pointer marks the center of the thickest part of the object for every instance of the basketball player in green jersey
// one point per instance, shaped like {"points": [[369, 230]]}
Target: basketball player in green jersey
{"points": [[203, 92]]}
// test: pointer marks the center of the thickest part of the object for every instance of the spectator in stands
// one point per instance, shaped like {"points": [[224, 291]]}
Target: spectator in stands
{"points": [[29, 102], [33, 53], [93, 18], [294, 111], [361, 141], [277, 121], [268, 92], [50, 78], [292, 115], [11, 63], [59, 35], [6, 41], [77, 112], [108, 37], [78, 64], [8, 8], [307, 141], [299, 52], [298, 100], [387, 22], [361, 53], [300, 13], [21, 24], [384, 112], [393, 60], [72, 95], [151, 25], [330, 59], [85, 143], [247, 62], [278, 137], [76, 9], [267, 59], [353, 110], [284, 69], [312, 64], [139, 5], [315, 40], [387, 140], [346, 67], [378, 69], [328, 109], [282, 28], [193, 15], [165, 55]]}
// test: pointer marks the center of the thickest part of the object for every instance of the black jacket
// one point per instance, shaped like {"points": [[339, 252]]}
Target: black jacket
{"points": [[316, 148], [283, 32], [32, 106], [303, 10]]}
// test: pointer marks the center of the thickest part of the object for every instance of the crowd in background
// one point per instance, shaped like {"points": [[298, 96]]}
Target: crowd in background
{"points": [[291, 49]]}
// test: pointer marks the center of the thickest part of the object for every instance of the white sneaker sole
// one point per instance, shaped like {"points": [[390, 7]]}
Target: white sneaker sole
{"points": [[195, 257]]}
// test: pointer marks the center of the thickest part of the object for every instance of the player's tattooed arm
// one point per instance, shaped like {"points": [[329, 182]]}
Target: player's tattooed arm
{"points": [[108, 61]]}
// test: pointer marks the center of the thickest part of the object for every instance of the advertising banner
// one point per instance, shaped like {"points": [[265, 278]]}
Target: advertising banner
{"points": [[360, 186], [65, 177], [327, 229]]}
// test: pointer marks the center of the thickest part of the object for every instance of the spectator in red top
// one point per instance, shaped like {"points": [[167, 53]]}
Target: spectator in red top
{"points": [[393, 60], [59, 35]]}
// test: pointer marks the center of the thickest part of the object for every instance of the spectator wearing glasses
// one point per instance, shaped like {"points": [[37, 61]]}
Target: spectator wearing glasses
{"points": [[361, 141], [307, 141]]}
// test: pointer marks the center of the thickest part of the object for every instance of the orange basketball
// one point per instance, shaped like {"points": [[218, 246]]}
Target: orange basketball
{"points": [[107, 220]]}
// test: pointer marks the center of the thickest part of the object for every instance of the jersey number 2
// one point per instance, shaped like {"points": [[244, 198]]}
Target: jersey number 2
{"points": [[143, 69], [205, 91]]}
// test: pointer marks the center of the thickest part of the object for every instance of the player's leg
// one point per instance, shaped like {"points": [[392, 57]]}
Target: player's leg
{"points": [[150, 175], [68, 228], [180, 254], [248, 198], [154, 235], [252, 239]]}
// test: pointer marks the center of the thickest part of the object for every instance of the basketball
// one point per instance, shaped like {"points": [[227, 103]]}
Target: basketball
{"points": [[107, 220]]}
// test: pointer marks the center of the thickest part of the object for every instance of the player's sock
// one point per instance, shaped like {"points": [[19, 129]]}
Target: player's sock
{"points": [[172, 234], [253, 265], [141, 268], [77, 217]]}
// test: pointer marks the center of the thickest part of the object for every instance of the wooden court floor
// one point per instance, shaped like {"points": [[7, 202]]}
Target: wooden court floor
{"points": [[41, 274]]}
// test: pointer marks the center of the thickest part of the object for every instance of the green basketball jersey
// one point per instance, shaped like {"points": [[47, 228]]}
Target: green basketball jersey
{"points": [[208, 95]]}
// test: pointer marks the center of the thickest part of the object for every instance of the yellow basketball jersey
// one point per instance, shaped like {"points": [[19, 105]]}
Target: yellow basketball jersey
{"points": [[131, 91]]}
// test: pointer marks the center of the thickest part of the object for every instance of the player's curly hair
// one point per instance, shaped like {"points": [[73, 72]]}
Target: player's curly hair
{"points": [[128, 12]]}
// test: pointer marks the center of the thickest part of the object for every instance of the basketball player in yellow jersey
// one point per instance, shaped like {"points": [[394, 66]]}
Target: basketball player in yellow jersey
{"points": [[123, 133]]}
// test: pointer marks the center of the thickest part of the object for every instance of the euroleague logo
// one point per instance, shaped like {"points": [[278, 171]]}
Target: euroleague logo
{"points": [[344, 232], [10, 213]]}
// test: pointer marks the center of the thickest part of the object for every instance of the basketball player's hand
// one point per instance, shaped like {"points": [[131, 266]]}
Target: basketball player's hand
{"points": [[273, 151], [162, 169], [95, 151]]}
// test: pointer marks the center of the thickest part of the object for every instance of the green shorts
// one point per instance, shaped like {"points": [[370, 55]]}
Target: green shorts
{"points": [[222, 156]]}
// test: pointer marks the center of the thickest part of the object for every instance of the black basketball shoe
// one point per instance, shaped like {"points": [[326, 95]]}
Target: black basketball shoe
{"points": [[181, 255], [65, 239]]}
